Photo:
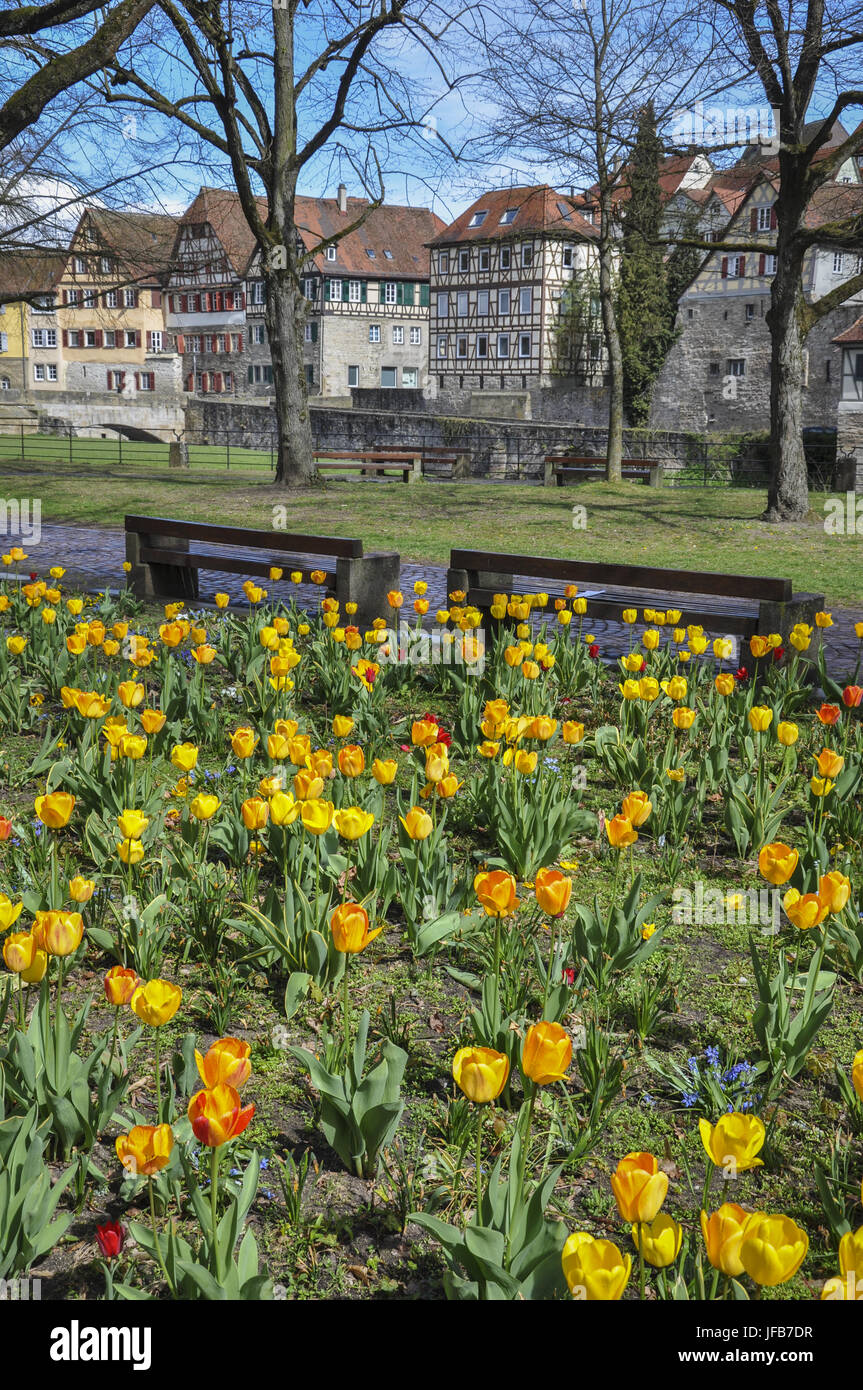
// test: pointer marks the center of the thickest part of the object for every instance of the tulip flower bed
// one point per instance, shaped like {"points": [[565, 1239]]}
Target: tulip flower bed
{"points": [[510, 974]]}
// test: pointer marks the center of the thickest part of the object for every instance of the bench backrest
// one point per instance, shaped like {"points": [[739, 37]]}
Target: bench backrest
{"points": [[239, 535], [626, 576], [589, 461]]}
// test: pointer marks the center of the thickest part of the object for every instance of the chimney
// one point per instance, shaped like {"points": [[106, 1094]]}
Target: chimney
{"points": [[342, 196]]}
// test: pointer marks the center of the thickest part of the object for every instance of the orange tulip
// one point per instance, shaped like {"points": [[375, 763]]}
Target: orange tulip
{"points": [[217, 1115], [226, 1063]]}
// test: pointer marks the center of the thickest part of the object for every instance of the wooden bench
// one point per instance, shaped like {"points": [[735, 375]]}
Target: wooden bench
{"points": [[371, 462], [163, 566], [573, 468], [732, 604], [446, 464]]}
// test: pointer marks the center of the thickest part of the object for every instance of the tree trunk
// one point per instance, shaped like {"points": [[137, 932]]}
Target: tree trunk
{"points": [[614, 446], [285, 315], [788, 496]]}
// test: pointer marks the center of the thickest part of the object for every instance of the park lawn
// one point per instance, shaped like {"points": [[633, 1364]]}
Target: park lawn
{"points": [[713, 528]]}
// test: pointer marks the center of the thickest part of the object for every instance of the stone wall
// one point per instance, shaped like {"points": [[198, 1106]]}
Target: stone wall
{"points": [[694, 390], [498, 448], [562, 402]]}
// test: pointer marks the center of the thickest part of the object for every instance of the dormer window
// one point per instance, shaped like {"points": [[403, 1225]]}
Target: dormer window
{"points": [[331, 253], [388, 253], [508, 217], [478, 219], [370, 253]]}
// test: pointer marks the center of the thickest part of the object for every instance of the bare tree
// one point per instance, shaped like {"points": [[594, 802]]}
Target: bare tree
{"points": [[59, 45], [802, 54], [268, 92], [570, 81]]}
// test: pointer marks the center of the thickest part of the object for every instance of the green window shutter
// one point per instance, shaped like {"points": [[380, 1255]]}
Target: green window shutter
{"points": [[409, 293], [251, 375], [346, 290], [314, 332], [424, 296], [400, 289], [326, 289], [364, 291]]}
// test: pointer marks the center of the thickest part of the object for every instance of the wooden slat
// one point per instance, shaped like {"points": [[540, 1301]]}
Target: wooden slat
{"points": [[238, 535], [384, 468], [720, 621], [590, 460], [625, 576], [231, 564], [372, 455]]}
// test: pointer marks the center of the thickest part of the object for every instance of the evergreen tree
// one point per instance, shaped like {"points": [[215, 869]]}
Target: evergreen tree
{"points": [[643, 306]]}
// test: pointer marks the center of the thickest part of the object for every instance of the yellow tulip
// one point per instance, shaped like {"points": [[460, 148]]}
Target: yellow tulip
{"points": [[595, 1270], [352, 823], [639, 1187], [317, 815], [620, 832], [244, 742], [55, 809], [857, 1073], [342, 725], [777, 862], [184, 756], [9, 912], [760, 718], [417, 823], [204, 806], [384, 770], [81, 889], [636, 807], [772, 1249], [255, 813], [723, 1232], [284, 810], [724, 683], [659, 1240], [156, 1002], [804, 910], [787, 733], [480, 1072], [834, 890], [496, 892], [572, 731], [553, 891], [546, 1053], [734, 1141], [349, 924], [132, 824]]}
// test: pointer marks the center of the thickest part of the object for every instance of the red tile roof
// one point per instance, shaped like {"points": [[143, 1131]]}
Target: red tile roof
{"points": [[27, 272], [402, 231], [139, 242], [538, 208], [854, 334]]}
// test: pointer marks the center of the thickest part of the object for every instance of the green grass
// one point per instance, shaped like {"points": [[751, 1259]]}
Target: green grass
{"points": [[688, 528]]}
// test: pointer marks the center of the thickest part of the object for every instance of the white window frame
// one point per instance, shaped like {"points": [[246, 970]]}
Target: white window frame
{"points": [[464, 259], [503, 338], [374, 332], [522, 339], [39, 371], [353, 372], [355, 290], [442, 304], [390, 292], [128, 299], [442, 345], [482, 339], [51, 370], [482, 304], [504, 297], [416, 336], [838, 262], [331, 253], [525, 300], [462, 304], [398, 335], [527, 255], [411, 372], [764, 219], [568, 257], [443, 262]]}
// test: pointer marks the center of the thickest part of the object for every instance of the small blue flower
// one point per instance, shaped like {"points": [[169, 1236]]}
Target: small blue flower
{"points": [[690, 1098], [693, 1065], [712, 1055]]}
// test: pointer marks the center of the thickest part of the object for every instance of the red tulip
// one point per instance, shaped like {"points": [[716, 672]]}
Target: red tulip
{"points": [[593, 650], [852, 695], [110, 1238]]}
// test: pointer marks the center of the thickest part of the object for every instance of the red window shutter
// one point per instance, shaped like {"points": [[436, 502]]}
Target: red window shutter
{"points": [[725, 267], [741, 265], [156, 299], [190, 382], [184, 303], [137, 382], [98, 337], [205, 382], [65, 338], [181, 343], [753, 220], [152, 376], [149, 341], [773, 219], [65, 296], [239, 342], [761, 260], [242, 303], [217, 381], [216, 301], [110, 376], [138, 338], [134, 299]]}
